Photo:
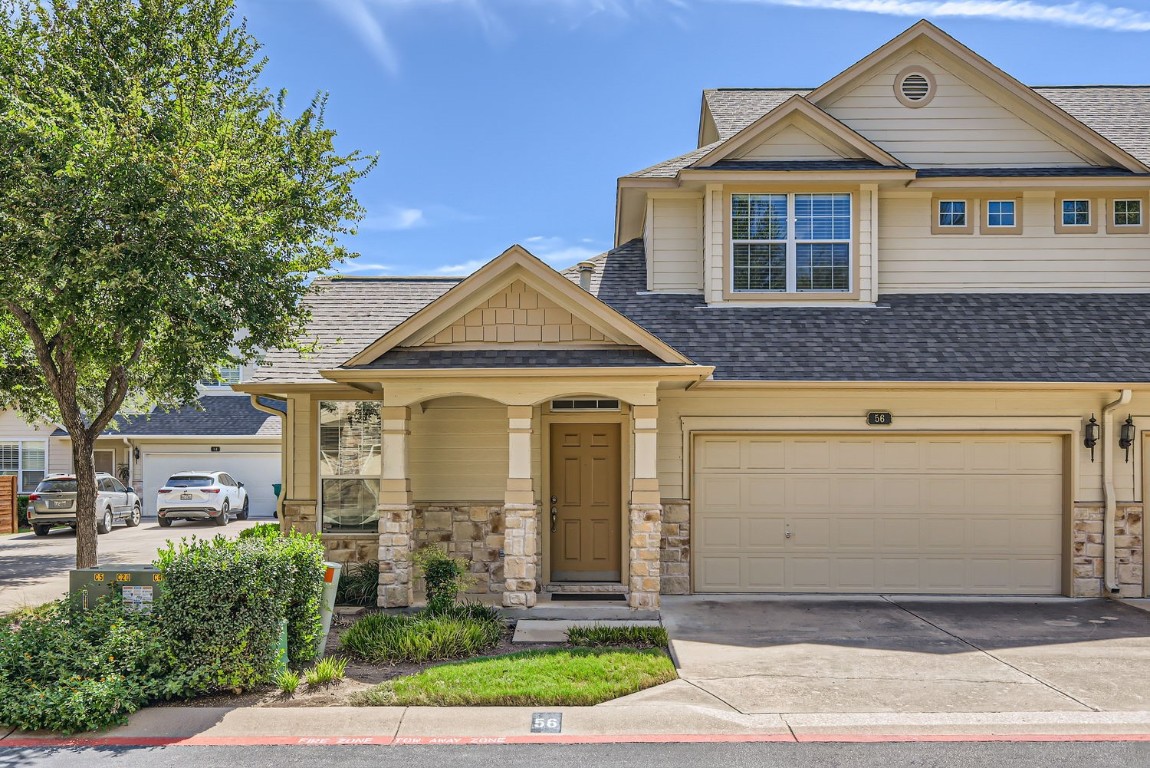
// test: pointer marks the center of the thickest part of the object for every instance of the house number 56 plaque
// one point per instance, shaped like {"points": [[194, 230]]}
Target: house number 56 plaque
{"points": [[879, 418]]}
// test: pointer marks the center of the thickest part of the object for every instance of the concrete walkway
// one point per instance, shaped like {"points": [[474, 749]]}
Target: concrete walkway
{"points": [[875, 654]]}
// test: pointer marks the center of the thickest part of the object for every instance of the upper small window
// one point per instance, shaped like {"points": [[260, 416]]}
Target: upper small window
{"points": [[229, 374], [914, 87], [1127, 213], [1076, 213], [952, 213], [1000, 213]]}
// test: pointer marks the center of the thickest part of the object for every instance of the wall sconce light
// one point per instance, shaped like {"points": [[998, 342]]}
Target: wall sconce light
{"points": [[1126, 436], [1091, 436], [136, 453]]}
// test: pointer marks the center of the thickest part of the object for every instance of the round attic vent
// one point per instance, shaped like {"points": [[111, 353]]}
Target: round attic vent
{"points": [[914, 87]]}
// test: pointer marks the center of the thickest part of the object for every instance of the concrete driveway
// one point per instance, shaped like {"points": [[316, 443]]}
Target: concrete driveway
{"points": [[837, 654], [34, 569]]}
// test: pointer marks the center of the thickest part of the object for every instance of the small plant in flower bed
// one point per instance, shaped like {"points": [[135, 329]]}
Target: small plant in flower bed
{"points": [[326, 671], [600, 635], [455, 632], [445, 577], [67, 670], [358, 584], [287, 681]]}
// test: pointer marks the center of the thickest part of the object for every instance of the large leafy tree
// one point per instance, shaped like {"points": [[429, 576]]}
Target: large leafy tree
{"points": [[158, 208]]}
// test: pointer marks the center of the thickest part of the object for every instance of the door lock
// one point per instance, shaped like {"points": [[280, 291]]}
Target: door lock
{"points": [[554, 519], [787, 531]]}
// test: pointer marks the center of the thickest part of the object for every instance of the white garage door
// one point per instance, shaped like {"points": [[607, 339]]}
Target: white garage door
{"points": [[934, 514], [257, 471]]}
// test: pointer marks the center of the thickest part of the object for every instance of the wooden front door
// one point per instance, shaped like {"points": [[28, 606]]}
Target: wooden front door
{"points": [[584, 510]]}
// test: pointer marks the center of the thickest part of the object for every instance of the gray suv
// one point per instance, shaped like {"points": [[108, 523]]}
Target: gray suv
{"points": [[54, 503]]}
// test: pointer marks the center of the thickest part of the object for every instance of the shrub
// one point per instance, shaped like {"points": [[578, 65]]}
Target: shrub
{"points": [[421, 637], [68, 670], [305, 591], [22, 513], [326, 671], [359, 584], [598, 635], [444, 576]]}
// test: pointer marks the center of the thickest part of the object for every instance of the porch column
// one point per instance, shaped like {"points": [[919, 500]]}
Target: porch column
{"points": [[395, 510], [520, 515], [646, 513]]}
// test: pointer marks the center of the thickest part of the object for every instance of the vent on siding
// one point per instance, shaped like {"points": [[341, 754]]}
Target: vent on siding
{"points": [[914, 87], [584, 405]]}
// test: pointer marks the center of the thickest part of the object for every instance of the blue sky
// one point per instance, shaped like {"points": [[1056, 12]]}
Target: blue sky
{"points": [[508, 121]]}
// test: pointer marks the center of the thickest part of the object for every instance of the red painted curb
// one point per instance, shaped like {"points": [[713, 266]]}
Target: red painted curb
{"points": [[676, 738]]}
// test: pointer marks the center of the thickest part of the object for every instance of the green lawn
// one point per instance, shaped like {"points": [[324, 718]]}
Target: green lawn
{"points": [[572, 677]]}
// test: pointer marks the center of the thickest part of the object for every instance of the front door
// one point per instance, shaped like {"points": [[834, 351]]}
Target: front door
{"points": [[585, 512]]}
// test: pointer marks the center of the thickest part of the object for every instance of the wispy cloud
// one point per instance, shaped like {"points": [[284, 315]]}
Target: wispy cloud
{"points": [[394, 218], [556, 251], [359, 15], [358, 266], [1076, 14]]}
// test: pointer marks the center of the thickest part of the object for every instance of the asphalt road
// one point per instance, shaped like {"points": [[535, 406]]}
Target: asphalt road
{"points": [[948, 755], [34, 569]]}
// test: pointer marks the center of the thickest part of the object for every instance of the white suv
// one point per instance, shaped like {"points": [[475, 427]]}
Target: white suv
{"points": [[201, 496]]}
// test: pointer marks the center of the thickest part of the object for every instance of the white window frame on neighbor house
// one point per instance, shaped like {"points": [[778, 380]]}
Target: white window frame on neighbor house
{"points": [[1001, 216], [28, 475], [788, 238], [1140, 227], [228, 375], [1090, 226], [345, 464], [953, 209]]}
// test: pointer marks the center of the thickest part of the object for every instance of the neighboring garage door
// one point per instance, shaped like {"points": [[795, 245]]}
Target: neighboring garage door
{"points": [[257, 471], [933, 514]]}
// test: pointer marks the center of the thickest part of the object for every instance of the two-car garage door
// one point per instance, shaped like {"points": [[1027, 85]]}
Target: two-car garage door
{"points": [[843, 513]]}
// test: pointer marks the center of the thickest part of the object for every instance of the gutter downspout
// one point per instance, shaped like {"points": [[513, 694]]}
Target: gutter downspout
{"points": [[1110, 522], [255, 401]]}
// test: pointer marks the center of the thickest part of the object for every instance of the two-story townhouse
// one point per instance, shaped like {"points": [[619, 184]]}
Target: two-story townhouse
{"points": [[222, 430], [890, 334]]}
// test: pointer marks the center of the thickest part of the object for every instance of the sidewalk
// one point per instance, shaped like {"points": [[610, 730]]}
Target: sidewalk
{"points": [[607, 723]]}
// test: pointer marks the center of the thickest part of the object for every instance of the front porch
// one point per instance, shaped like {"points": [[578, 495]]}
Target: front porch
{"points": [[542, 486]]}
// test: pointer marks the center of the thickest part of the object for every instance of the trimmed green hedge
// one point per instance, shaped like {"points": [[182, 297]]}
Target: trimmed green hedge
{"points": [[22, 513], [215, 626]]}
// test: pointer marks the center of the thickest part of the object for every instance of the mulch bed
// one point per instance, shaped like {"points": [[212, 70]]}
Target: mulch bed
{"points": [[360, 676]]}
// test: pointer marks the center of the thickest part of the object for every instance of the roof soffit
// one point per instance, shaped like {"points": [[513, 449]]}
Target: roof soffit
{"points": [[994, 83], [802, 114], [516, 263]]}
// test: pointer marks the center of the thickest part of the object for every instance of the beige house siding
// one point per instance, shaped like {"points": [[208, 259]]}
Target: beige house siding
{"points": [[924, 410], [915, 261], [676, 244], [790, 143], [458, 451], [960, 127], [518, 314]]}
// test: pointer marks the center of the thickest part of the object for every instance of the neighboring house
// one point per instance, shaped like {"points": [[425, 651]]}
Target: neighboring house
{"points": [[221, 431], [853, 342]]}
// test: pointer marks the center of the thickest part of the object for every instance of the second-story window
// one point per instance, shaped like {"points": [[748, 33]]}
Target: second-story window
{"points": [[1076, 213], [791, 243], [1000, 213], [1127, 213], [228, 374], [952, 213]]}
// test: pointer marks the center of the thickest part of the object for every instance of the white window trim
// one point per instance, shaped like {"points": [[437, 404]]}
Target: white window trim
{"points": [[1089, 212], [1114, 211], [965, 214], [20, 442], [228, 375], [792, 243], [1013, 214]]}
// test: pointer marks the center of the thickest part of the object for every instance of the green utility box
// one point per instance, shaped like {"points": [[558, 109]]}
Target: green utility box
{"points": [[138, 584]]}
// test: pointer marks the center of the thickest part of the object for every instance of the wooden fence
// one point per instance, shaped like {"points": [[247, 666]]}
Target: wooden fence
{"points": [[8, 520]]}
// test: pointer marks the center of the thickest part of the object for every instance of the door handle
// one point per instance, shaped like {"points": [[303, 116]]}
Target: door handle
{"points": [[786, 530], [554, 519]]}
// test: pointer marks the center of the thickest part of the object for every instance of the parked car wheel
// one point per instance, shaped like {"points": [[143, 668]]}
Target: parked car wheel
{"points": [[243, 515], [134, 518], [165, 522], [104, 525], [222, 517], [41, 530]]}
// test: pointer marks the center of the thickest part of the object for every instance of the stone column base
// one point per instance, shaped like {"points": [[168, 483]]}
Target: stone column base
{"points": [[395, 540], [645, 561], [520, 560]]}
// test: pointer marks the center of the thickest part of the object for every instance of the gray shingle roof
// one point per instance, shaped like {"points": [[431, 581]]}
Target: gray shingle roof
{"points": [[348, 314], [210, 416], [1102, 338], [1121, 113], [512, 358]]}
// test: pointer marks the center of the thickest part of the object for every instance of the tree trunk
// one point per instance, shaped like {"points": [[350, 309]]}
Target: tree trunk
{"points": [[85, 468]]}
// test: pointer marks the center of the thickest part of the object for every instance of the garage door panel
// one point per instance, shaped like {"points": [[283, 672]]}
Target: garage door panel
{"points": [[256, 470], [766, 573], [946, 514], [764, 532], [721, 532]]}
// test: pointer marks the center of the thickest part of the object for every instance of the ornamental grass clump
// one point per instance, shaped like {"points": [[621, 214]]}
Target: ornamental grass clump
{"points": [[326, 671], [601, 635], [358, 584], [460, 632]]}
